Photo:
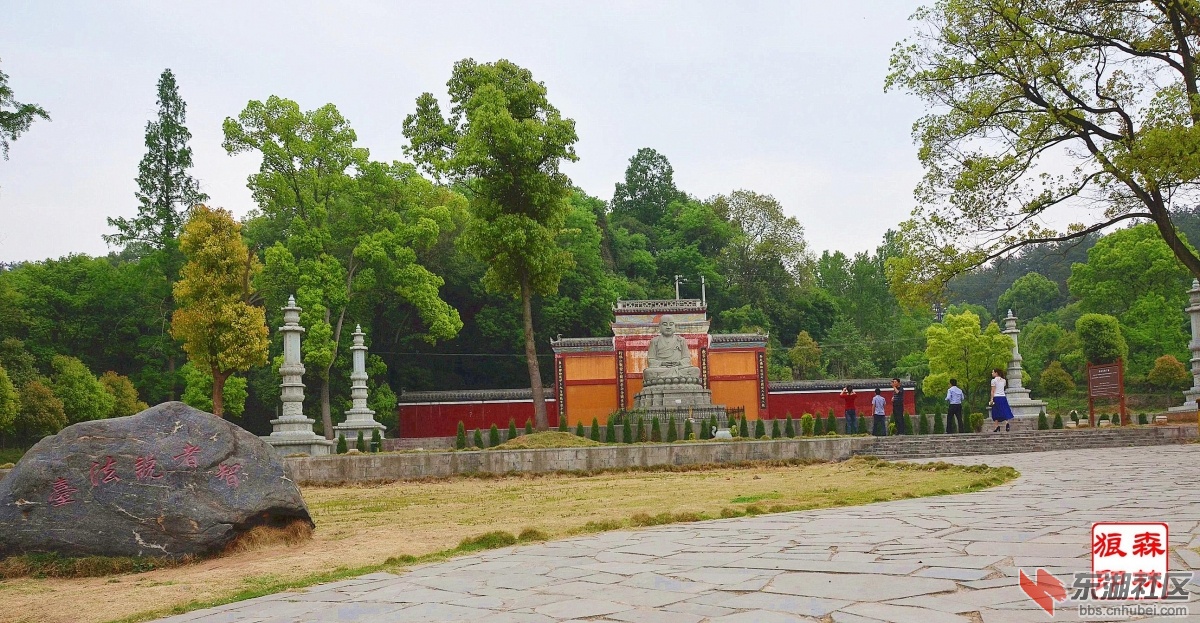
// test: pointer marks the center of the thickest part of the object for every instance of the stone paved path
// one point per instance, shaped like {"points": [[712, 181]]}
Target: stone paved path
{"points": [[949, 559]]}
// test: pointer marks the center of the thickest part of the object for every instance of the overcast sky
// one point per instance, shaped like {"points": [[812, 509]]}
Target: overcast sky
{"points": [[782, 98]]}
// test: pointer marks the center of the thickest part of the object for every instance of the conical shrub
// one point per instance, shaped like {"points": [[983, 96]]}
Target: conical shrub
{"points": [[460, 440]]}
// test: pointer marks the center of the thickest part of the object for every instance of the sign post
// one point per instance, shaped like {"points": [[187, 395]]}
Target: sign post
{"points": [[1106, 380]]}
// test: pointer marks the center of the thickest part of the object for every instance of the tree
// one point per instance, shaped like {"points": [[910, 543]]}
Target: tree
{"points": [[504, 142], [15, 117], [198, 391], [221, 331], [1055, 380], [41, 414], [805, 357], [1043, 109], [1168, 373], [10, 403], [958, 348], [166, 191], [648, 189], [1101, 338], [342, 232], [1125, 266], [1029, 296], [83, 396], [767, 254], [125, 395], [847, 354]]}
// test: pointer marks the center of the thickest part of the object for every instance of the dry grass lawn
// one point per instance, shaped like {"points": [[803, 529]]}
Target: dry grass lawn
{"points": [[360, 528]]}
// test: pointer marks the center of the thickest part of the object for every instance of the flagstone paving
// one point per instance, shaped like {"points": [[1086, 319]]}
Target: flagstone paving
{"points": [[948, 559]]}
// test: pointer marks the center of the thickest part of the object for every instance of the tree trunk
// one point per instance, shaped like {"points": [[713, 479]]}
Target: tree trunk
{"points": [[218, 397], [326, 417], [535, 374], [171, 369]]}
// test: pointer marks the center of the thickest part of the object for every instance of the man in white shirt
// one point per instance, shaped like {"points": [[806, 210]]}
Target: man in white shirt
{"points": [[954, 414], [878, 404]]}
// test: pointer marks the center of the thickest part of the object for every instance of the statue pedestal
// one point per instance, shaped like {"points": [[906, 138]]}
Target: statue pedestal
{"points": [[678, 398]]}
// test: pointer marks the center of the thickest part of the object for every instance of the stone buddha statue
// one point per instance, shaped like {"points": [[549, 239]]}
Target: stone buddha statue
{"points": [[668, 359]]}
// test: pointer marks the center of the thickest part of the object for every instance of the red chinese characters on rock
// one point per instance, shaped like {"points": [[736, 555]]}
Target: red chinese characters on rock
{"points": [[228, 472], [144, 468], [60, 494], [188, 458], [102, 475]]}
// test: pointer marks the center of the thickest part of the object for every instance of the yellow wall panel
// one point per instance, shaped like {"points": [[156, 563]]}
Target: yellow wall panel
{"points": [[600, 366], [737, 362], [585, 402], [734, 394], [632, 387]]}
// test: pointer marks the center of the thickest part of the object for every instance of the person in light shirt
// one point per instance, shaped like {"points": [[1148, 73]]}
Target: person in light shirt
{"points": [[1001, 412], [954, 414], [879, 416]]}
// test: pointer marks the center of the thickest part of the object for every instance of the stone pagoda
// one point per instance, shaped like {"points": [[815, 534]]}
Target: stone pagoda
{"points": [[359, 419], [1018, 396], [293, 432], [1193, 310]]}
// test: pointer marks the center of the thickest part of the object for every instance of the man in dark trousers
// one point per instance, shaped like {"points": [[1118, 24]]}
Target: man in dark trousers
{"points": [[898, 407], [954, 414]]}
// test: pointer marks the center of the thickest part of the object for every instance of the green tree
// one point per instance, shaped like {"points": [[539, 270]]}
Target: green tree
{"points": [[15, 117], [846, 352], [166, 190], [1055, 380], [220, 330], [805, 357], [83, 396], [768, 255], [42, 413], [1168, 373], [338, 241], [10, 403], [1101, 338], [958, 348], [1018, 86], [1029, 296], [198, 391], [648, 190], [1125, 266], [460, 436], [125, 395], [504, 142]]}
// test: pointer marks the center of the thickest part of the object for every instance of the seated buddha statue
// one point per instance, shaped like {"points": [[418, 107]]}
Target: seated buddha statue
{"points": [[668, 358]]}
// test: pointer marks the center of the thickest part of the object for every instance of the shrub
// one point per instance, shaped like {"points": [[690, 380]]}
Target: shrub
{"points": [[806, 425], [818, 426], [939, 424], [529, 426], [891, 429], [672, 433], [579, 431], [688, 433], [562, 424], [641, 432], [705, 431], [1104, 417], [760, 429], [655, 429], [512, 429], [478, 438], [1142, 419], [341, 444], [493, 436], [831, 423], [909, 429], [626, 431], [1075, 417], [1055, 380], [1043, 422], [1101, 337], [774, 429], [595, 436], [744, 427], [975, 424], [789, 427], [360, 445], [376, 441], [460, 440], [610, 432], [712, 424], [923, 424], [1058, 422]]}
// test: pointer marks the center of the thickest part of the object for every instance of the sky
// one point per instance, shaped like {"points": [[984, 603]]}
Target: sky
{"points": [[781, 98]]}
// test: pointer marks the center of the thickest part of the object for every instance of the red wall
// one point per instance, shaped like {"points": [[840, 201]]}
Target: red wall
{"points": [[779, 404], [441, 419]]}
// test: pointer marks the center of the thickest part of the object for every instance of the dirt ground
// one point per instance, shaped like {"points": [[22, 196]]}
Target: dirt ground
{"points": [[361, 526]]}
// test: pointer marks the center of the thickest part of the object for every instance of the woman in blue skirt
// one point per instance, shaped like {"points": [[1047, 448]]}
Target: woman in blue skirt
{"points": [[999, 402]]}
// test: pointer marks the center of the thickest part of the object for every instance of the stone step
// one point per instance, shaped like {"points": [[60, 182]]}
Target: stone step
{"points": [[929, 446]]}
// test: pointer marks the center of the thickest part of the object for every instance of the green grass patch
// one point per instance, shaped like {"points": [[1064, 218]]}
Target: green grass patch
{"points": [[58, 566], [550, 439], [757, 497]]}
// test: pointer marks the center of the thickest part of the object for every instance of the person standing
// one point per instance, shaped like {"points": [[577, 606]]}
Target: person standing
{"points": [[851, 415], [999, 402], [954, 396], [898, 407], [878, 404]]}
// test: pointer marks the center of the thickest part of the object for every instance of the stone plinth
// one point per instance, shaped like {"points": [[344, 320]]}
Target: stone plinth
{"points": [[1018, 396], [293, 432]]}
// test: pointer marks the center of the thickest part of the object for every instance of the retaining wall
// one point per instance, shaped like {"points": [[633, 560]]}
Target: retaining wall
{"points": [[415, 465]]}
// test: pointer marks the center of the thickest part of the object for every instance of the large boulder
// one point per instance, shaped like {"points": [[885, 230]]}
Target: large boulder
{"points": [[169, 481]]}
